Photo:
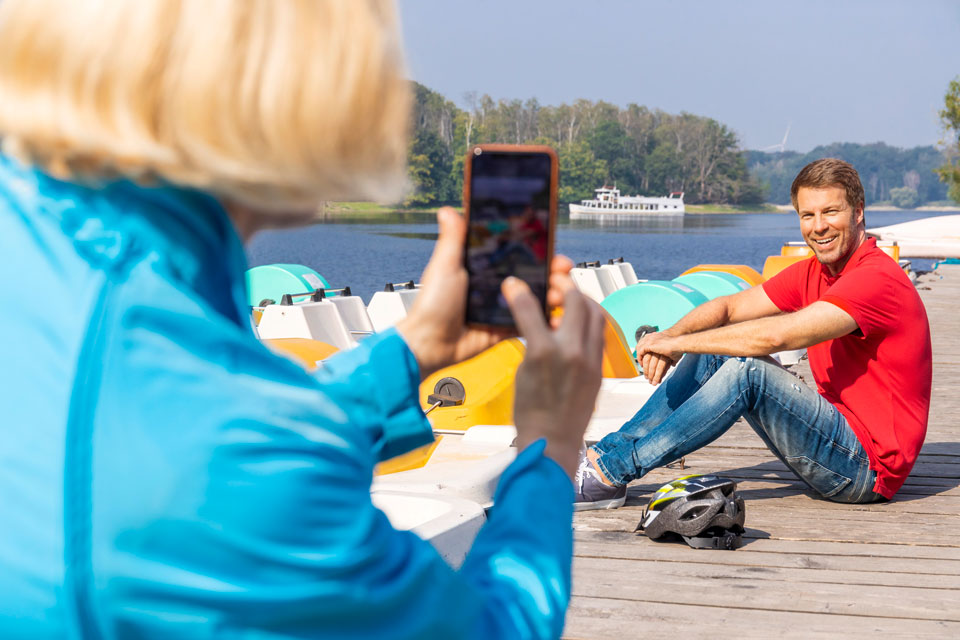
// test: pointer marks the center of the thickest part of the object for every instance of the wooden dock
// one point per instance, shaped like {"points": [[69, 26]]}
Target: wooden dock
{"points": [[809, 567]]}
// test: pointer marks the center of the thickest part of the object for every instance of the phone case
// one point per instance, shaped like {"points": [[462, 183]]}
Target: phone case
{"points": [[554, 185]]}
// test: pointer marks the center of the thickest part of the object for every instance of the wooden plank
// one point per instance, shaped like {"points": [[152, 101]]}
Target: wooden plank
{"points": [[593, 617], [948, 467], [659, 572], [758, 492], [696, 464], [616, 579], [787, 525], [636, 547], [931, 452], [772, 545]]}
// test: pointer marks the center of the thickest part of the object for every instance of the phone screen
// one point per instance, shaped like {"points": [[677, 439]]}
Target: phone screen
{"points": [[510, 230]]}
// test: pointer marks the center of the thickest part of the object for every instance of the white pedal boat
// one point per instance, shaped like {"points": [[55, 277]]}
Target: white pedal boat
{"points": [[937, 237]]}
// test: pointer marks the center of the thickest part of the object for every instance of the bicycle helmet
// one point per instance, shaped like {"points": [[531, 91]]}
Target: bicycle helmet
{"points": [[704, 510]]}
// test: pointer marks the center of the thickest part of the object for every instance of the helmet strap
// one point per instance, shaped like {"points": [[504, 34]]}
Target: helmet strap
{"points": [[727, 541]]}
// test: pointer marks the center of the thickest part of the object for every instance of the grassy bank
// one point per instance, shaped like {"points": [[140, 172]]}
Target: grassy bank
{"points": [[359, 208]]}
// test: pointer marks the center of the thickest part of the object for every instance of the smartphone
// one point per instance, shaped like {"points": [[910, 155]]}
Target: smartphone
{"points": [[510, 203]]}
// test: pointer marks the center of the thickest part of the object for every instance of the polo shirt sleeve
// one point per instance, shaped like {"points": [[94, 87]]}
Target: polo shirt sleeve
{"points": [[785, 289], [868, 294], [378, 383]]}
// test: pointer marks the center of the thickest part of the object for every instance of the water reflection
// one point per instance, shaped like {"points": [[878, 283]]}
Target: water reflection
{"points": [[665, 224], [380, 217], [633, 222], [408, 234]]}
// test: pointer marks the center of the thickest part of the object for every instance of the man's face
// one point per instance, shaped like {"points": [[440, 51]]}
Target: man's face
{"points": [[830, 226]]}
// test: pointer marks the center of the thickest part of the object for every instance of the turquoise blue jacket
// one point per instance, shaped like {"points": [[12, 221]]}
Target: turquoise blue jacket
{"points": [[163, 475]]}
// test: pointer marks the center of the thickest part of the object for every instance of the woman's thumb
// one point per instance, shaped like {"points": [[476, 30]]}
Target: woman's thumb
{"points": [[448, 252]]}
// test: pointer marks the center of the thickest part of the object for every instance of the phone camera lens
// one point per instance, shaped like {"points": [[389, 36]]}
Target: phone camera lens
{"points": [[477, 151]]}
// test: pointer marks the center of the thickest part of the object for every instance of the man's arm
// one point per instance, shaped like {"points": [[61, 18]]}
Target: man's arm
{"points": [[811, 325], [739, 307], [760, 337], [725, 310]]}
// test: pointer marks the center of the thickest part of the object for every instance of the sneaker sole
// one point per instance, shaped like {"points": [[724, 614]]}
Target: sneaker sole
{"points": [[612, 503]]}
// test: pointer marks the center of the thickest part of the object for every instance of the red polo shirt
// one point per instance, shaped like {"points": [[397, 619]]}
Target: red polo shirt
{"points": [[877, 377]]}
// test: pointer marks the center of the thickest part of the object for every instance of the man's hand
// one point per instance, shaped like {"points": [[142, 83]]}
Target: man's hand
{"points": [[435, 330], [657, 352]]}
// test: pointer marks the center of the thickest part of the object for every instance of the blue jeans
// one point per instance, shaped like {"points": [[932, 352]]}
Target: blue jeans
{"points": [[707, 394]]}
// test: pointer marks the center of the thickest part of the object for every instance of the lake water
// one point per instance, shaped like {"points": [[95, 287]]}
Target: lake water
{"points": [[365, 252]]}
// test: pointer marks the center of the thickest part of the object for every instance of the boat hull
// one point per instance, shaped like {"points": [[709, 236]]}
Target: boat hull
{"points": [[937, 237], [580, 211]]}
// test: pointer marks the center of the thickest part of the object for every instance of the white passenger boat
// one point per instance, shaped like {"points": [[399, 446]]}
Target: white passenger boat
{"points": [[937, 237], [609, 202]]}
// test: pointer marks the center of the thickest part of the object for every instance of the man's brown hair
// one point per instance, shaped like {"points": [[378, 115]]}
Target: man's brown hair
{"points": [[829, 172]]}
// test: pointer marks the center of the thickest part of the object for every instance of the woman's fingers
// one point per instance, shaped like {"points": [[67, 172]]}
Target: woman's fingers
{"points": [[560, 281], [561, 264], [560, 376], [526, 310], [595, 337], [585, 324], [575, 313]]}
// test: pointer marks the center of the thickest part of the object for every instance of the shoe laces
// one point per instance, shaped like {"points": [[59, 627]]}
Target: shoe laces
{"points": [[583, 469]]}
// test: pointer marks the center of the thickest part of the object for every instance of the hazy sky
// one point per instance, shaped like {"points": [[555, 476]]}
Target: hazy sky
{"points": [[838, 71]]}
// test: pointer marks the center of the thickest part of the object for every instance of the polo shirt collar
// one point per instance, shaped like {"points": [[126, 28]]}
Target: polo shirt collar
{"points": [[868, 245]]}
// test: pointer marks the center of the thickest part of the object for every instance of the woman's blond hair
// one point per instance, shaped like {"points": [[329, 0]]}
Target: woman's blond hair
{"points": [[277, 104]]}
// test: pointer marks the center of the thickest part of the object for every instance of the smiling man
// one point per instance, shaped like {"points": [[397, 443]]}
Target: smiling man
{"points": [[854, 439]]}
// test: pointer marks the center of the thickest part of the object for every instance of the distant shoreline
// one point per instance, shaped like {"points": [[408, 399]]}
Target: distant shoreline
{"points": [[334, 209], [731, 208], [885, 207]]}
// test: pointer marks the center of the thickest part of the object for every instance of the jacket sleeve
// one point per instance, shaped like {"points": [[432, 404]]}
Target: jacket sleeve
{"points": [[276, 536], [379, 380], [249, 512], [521, 559], [516, 580]]}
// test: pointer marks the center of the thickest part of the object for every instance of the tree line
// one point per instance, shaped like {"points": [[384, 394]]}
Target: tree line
{"points": [[652, 152], [640, 150], [902, 177]]}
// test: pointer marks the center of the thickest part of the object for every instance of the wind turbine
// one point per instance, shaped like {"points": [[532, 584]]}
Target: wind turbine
{"points": [[783, 143]]}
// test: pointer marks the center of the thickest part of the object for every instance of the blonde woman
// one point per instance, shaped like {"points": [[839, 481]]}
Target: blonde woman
{"points": [[162, 474]]}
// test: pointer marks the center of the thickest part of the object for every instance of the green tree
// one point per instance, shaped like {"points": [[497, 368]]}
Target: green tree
{"points": [[881, 169], [664, 170], [580, 172], [419, 171], [904, 197], [949, 172], [608, 141]]}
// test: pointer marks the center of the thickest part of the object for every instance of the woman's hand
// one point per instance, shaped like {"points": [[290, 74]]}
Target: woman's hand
{"points": [[435, 329], [559, 378]]}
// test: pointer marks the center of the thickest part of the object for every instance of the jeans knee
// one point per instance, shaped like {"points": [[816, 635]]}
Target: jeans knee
{"points": [[738, 368], [747, 373]]}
